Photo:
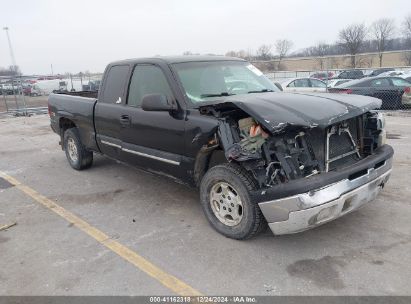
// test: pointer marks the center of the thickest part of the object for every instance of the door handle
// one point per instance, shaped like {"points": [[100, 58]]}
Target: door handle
{"points": [[125, 120]]}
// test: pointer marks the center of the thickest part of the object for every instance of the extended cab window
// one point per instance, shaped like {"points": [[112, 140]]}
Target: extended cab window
{"points": [[114, 84], [147, 79]]}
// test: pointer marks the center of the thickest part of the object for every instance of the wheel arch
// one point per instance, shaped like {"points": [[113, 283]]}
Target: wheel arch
{"points": [[207, 158], [65, 124]]}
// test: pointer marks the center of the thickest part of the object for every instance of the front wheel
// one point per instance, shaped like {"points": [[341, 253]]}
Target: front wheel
{"points": [[78, 157], [224, 194]]}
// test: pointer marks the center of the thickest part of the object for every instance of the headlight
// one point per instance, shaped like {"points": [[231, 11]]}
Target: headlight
{"points": [[382, 137], [381, 120]]}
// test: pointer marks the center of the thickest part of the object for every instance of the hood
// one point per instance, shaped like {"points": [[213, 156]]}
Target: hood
{"points": [[275, 111]]}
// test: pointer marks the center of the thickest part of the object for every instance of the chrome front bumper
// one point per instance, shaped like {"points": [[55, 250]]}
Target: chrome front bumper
{"points": [[307, 210]]}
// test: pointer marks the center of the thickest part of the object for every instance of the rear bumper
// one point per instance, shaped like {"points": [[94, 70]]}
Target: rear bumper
{"points": [[307, 210]]}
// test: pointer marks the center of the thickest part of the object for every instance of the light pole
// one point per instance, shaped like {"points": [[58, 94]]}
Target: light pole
{"points": [[13, 62]]}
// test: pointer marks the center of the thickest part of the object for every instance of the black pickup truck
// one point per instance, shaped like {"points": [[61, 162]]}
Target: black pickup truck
{"points": [[257, 155]]}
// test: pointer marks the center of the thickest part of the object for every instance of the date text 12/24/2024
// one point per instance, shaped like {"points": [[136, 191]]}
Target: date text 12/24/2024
{"points": [[203, 299]]}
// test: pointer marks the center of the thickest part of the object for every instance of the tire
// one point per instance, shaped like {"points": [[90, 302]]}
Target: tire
{"points": [[239, 183], [78, 157], [399, 105]]}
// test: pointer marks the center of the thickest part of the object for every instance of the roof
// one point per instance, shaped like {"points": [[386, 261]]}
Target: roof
{"points": [[179, 59], [289, 80]]}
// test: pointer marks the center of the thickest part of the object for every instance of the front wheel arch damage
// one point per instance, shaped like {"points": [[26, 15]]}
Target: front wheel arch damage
{"points": [[253, 154], [210, 155], [270, 158]]}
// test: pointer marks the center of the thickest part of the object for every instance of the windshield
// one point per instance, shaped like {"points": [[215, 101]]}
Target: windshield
{"points": [[204, 81]]}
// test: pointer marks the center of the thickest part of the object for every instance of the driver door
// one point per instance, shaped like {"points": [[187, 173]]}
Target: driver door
{"points": [[153, 140]]}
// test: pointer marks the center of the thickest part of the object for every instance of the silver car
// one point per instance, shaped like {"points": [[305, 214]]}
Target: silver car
{"points": [[303, 85]]}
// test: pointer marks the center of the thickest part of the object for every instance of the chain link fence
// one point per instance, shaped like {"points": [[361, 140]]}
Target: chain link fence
{"points": [[28, 95], [391, 85]]}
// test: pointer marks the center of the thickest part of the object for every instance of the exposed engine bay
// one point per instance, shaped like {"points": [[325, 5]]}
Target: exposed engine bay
{"points": [[294, 152]]}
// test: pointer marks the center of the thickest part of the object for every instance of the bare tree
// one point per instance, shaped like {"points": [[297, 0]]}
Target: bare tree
{"points": [[13, 70], [320, 50], [240, 54], [231, 54], [264, 52], [382, 30], [406, 26], [351, 38], [282, 47]]}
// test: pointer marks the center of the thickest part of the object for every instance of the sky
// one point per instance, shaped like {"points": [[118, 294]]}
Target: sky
{"points": [[85, 35]]}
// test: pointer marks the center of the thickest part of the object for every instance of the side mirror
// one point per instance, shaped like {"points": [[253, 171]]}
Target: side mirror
{"points": [[157, 102]]}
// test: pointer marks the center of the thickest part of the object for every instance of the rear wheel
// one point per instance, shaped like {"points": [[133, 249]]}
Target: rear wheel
{"points": [[399, 104], [78, 157], [224, 194]]}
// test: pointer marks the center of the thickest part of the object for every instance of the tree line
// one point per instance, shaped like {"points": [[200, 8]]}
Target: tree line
{"points": [[10, 71], [381, 36]]}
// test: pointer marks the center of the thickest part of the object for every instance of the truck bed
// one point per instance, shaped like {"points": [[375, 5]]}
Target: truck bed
{"points": [[80, 110], [89, 94]]}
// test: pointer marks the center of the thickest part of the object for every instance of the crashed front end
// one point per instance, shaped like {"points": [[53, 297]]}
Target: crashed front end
{"points": [[311, 174]]}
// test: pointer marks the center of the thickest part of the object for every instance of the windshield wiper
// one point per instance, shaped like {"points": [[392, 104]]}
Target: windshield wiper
{"points": [[261, 91], [216, 95]]}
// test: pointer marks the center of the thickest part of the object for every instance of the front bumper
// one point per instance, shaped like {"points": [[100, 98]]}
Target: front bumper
{"points": [[307, 210]]}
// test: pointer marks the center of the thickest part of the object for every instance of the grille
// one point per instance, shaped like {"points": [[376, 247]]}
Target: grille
{"points": [[343, 162], [340, 144], [342, 147]]}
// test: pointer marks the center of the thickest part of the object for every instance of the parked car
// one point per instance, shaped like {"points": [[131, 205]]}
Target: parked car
{"points": [[322, 75], [395, 92], [377, 72], [257, 155], [350, 74], [303, 85], [32, 90], [9, 89]]}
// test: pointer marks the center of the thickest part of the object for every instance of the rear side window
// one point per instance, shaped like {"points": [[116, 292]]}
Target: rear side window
{"points": [[398, 82], [317, 83], [383, 82], [114, 84], [300, 83], [147, 79]]}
